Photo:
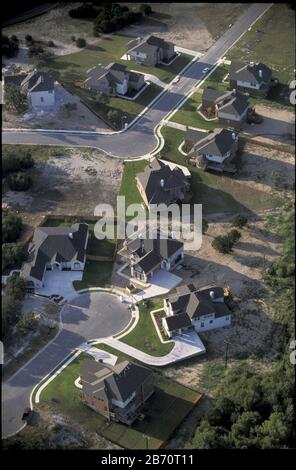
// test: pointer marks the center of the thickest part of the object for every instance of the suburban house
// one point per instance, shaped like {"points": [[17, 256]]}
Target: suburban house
{"points": [[254, 78], [146, 254], [230, 107], [38, 86], [115, 79], [152, 51], [215, 151], [163, 182], [115, 391], [201, 310], [62, 248]]}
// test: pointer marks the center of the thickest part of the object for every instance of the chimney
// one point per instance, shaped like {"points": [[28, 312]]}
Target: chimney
{"points": [[234, 91], [233, 135], [162, 183], [260, 73], [212, 295], [71, 235], [142, 246]]}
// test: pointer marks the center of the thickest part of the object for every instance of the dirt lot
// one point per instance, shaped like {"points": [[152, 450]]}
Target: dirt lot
{"points": [[278, 124], [57, 118], [72, 182]]}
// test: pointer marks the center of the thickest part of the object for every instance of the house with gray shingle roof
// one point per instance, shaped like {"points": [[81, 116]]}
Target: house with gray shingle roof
{"points": [[37, 86], [230, 107], [190, 308], [215, 151], [62, 248], [254, 78], [115, 79], [163, 182], [152, 51], [147, 253], [116, 391]]}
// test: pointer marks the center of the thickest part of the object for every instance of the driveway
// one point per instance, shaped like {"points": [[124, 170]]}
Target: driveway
{"points": [[160, 283], [89, 316], [60, 283]]}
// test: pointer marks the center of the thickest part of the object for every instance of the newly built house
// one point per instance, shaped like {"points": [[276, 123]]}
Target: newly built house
{"points": [[55, 248], [37, 86], [147, 253], [115, 79], [115, 391], [215, 150], [191, 308], [229, 107], [163, 182], [152, 51], [254, 78]]}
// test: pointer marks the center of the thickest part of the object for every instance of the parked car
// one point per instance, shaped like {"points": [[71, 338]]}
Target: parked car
{"points": [[176, 80], [205, 70]]}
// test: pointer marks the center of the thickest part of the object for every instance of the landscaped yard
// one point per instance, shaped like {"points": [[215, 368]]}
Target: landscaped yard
{"points": [[70, 71], [164, 411], [144, 336], [95, 274], [271, 41], [128, 187], [188, 115], [216, 193]]}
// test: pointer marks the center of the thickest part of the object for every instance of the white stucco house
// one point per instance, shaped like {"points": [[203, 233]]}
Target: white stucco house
{"points": [[201, 310], [55, 248]]}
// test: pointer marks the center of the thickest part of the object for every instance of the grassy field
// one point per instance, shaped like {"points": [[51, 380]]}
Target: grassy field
{"points": [[165, 410], [188, 115], [72, 68], [144, 336], [128, 186], [272, 41], [216, 193]]}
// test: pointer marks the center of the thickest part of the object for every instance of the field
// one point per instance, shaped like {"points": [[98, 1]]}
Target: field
{"points": [[164, 412], [217, 193], [271, 41], [144, 336]]}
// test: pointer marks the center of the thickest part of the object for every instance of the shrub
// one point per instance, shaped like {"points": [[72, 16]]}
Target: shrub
{"points": [[35, 50], [13, 255], [205, 225], [83, 12], [29, 39], [113, 116], [222, 243], [16, 287], [239, 221], [19, 181], [27, 322], [51, 44], [14, 38], [14, 99], [234, 235], [145, 9], [80, 42], [15, 160], [11, 309], [9, 46], [11, 227], [73, 38]]}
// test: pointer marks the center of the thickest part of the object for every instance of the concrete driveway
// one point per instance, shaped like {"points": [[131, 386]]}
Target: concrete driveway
{"points": [[160, 283], [60, 283], [89, 316]]}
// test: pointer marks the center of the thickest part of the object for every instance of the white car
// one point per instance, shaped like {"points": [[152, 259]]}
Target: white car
{"points": [[176, 80], [205, 69], [230, 25]]}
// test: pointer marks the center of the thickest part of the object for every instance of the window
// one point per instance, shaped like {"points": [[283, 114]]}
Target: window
{"points": [[41, 99], [202, 324], [211, 321]]}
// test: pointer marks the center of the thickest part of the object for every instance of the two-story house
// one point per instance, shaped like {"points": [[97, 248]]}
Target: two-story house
{"points": [[163, 182], [254, 78], [147, 253], [215, 151], [39, 87], [115, 391], [191, 308], [115, 79], [152, 51], [62, 248]]}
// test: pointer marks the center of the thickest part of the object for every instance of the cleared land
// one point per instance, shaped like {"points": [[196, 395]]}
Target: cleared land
{"points": [[163, 413]]}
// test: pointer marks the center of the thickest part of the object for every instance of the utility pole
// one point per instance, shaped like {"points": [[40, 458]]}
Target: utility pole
{"points": [[226, 353]]}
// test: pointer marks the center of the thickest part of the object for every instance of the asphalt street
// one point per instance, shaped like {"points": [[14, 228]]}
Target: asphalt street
{"points": [[140, 139]]}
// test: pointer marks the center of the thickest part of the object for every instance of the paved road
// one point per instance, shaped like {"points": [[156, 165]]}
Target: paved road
{"points": [[140, 139], [89, 316]]}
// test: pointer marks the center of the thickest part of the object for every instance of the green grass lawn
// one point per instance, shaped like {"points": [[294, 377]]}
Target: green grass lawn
{"points": [[216, 193], [128, 187], [215, 80], [188, 115], [144, 336], [272, 41], [164, 411], [95, 274], [72, 68]]}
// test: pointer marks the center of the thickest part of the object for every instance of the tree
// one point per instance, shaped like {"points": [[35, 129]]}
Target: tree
{"points": [[19, 181], [14, 99], [29, 39], [239, 221], [27, 322], [11, 227], [234, 235], [13, 254], [73, 38], [11, 309], [50, 43], [205, 225], [113, 116], [16, 287], [80, 42], [84, 12], [145, 9], [222, 244], [9, 46], [15, 159]]}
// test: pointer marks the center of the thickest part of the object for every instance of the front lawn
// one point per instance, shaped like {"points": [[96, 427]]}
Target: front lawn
{"points": [[188, 116], [144, 336], [164, 411], [216, 192], [95, 274]]}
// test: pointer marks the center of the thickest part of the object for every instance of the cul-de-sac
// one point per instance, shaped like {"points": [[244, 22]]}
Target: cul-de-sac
{"points": [[147, 340]]}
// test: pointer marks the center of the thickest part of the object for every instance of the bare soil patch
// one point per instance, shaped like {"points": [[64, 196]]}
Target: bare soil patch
{"points": [[278, 124]]}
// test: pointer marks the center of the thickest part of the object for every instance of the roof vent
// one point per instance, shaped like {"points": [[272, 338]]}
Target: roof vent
{"points": [[162, 183], [71, 235], [212, 294]]}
